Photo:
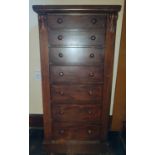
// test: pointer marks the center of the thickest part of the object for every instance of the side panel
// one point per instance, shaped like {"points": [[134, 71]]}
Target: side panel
{"points": [[108, 69], [43, 36]]}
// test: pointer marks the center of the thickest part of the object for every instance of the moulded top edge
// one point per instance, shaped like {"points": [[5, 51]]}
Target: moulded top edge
{"points": [[43, 9]]}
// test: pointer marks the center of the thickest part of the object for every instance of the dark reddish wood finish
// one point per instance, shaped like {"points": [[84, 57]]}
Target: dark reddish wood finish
{"points": [[76, 37], [76, 21], [76, 132], [76, 56], [95, 9], [76, 74], [77, 51], [43, 34], [72, 92], [78, 147], [108, 70], [36, 120], [69, 113]]}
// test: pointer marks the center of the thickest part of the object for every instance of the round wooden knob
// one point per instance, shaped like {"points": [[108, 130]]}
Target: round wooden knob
{"points": [[91, 74], [61, 74], [61, 112], [89, 132], [60, 55], [93, 37], [90, 92], [92, 55], [61, 93], [59, 20], [61, 131], [60, 37], [89, 112], [94, 21]]}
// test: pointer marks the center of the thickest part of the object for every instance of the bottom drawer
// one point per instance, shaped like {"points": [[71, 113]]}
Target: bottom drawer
{"points": [[76, 132]]}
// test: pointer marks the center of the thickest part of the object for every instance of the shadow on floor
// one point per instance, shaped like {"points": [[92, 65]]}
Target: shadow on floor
{"points": [[116, 143]]}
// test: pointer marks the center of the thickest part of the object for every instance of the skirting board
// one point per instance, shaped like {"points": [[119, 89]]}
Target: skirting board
{"points": [[36, 120]]}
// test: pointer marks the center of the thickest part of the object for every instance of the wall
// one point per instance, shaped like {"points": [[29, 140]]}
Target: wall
{"points": [[34, 70]]}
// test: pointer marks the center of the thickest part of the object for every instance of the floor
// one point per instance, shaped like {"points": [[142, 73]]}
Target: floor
{"points": [[116, 143]]}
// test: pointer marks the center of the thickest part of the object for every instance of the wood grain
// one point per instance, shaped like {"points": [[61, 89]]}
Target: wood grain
{"points": [[59, 37], [108, 70], [69, 113], [77, 50], [65, 132], [43, 34], [76, 56], [76, 21], [78, 92], [46, 9], [76, 74]]}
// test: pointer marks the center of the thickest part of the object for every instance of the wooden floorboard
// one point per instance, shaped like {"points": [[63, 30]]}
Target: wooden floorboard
{"points": [[112, 147]]}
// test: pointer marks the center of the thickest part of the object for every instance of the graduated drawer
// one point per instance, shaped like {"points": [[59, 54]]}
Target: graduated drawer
{"points": [[76, 21], [76, 92], [76, 37], [76, 113], [76, 74], [76, 132], [83, 56]]}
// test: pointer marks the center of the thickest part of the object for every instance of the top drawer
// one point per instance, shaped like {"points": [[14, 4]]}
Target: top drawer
{"points": [[76, 21]]}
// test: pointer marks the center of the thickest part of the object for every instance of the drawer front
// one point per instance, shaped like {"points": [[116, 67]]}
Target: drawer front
{"points": [[77, 113], [76, 132], [76, 37], [76, 74], [76, 92], [82, 56], [76, 21]]}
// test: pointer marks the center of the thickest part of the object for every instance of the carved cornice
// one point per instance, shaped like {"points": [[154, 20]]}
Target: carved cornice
{"points": [[111, 21]]}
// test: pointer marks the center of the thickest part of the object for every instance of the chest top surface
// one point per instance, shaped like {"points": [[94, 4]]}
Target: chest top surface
{"points": [[43, 9]]}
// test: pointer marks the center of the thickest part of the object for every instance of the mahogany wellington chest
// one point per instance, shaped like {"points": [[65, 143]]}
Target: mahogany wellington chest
{"points": [[77, 51]]}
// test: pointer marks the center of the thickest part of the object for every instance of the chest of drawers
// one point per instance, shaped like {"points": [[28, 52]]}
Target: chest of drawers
{"points": [[77, 49]]}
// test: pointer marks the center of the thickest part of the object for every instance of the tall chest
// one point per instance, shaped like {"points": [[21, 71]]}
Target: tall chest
{"points": [[77, 50]]}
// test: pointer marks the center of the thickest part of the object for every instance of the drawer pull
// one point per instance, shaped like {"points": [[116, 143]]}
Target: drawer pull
{"points": [[90, 92], [61, 131], [61, 93], [89, 132], [92, 55], [89, 112], [61, 112], [60, 55], [93, 37], [91, 74], [59, 20], [61, 74], [94, 21], [60, 37]]}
